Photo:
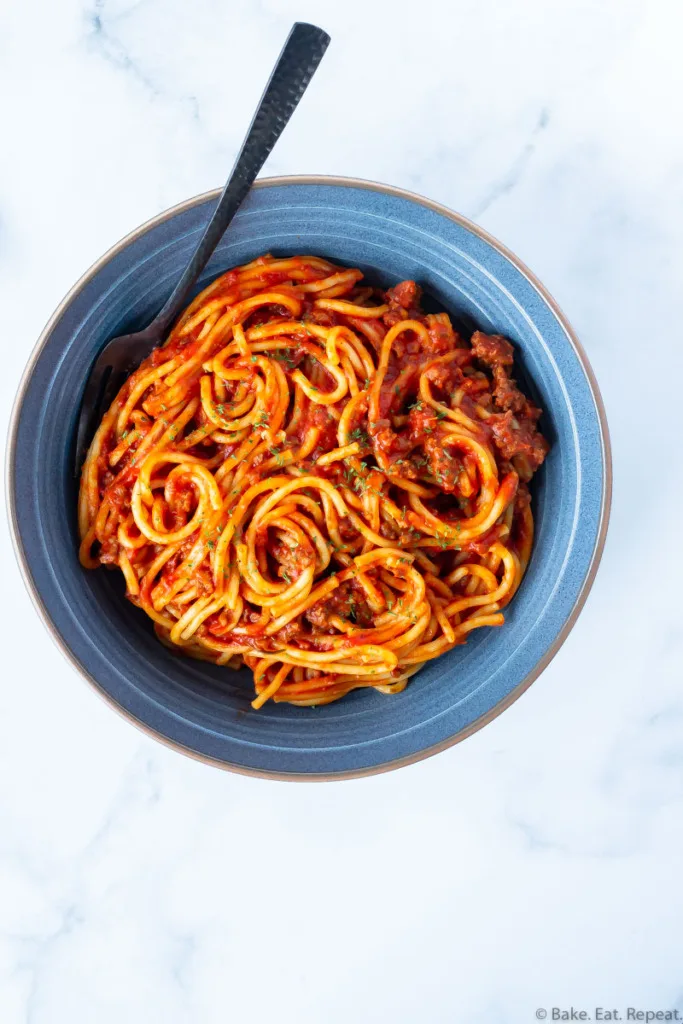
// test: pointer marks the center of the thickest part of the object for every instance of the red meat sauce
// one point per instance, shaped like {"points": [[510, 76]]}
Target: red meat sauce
{"points": [[412, 448], [348, 602], [480, 371]]}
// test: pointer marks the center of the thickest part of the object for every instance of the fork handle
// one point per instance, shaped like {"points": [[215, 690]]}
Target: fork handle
{"points": [[296, 65]]}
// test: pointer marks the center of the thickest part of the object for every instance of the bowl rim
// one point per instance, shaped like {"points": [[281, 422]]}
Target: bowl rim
{"points": [[605, 498]]}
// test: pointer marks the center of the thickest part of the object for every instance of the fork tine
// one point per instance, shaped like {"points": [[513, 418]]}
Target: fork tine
{"points": [[90, 404], [100, 392], [117, 360], [111, 389]]}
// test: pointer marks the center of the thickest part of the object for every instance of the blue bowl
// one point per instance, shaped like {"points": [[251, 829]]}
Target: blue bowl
{"points": [[204, 710]]}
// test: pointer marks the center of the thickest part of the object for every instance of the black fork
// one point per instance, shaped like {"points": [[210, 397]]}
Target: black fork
{"points": [[294, 69]]}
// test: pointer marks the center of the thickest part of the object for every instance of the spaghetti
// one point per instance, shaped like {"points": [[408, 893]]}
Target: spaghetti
{"points": [[315, 479]]}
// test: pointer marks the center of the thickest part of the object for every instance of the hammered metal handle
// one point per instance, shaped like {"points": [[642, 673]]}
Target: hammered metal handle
{"points": [[294, 69]]}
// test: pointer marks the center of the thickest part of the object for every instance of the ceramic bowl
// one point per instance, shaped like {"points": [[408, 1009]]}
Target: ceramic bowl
{"points": [[204, 710]]}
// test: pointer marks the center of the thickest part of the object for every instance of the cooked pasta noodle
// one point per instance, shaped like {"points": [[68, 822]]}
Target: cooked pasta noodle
{"points": [[315, 479]]}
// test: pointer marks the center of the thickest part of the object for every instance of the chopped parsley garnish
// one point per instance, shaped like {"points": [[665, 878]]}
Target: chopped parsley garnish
{"points": [[360, 435]]}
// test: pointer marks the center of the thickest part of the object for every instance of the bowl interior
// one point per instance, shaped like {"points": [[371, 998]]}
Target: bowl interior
{"points": [[205, 709]]}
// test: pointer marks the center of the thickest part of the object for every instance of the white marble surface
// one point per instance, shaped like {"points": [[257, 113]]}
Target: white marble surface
{"points": [[539, 863]]}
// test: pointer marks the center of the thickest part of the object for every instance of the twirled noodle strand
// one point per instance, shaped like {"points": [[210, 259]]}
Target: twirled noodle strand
{"points": [[315, 479]]}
